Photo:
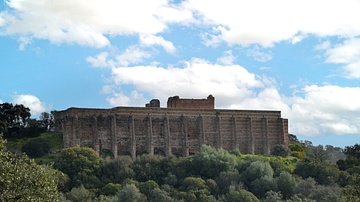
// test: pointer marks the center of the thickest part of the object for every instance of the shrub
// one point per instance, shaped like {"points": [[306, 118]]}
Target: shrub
{"points": [[37, 147]]}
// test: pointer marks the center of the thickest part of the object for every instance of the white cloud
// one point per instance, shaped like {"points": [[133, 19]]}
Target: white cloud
{"points": [[327, 109], [258, 55], [227, 59], [132, 55], [175, 14], [85, 22], [203, 78], [24, 41], [30, 101], [150, 40], [323, 46], [348, 55], [260, 22], [101, 60], [120, 99], [268, 22]]}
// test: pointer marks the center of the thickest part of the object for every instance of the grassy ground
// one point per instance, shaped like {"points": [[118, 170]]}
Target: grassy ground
{"points": [[55, 141]]}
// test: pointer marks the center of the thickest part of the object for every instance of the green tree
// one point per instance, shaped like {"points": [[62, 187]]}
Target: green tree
{"points": [[78, 160], [195, 189], [159, 195], [79, 194], [286, 184], [21, 179], [309, 189], [323, 173], [352, 151], [130, 193], [261, 186], [146, 167], [352, 191], [255, 171], [318, 153], [111, 189], [241, 196], [209, 162], [37, 147], [280, 150], [147, 187], [46, 120], [13, 119], [272, 196], [227, 179], [117, 170]]}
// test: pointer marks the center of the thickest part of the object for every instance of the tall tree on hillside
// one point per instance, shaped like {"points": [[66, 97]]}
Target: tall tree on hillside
{"points": [[352, 151], [13, 118]]}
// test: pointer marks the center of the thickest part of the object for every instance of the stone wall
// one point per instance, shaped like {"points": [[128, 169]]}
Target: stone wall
{"points": [[166, 131], [181, 103]]}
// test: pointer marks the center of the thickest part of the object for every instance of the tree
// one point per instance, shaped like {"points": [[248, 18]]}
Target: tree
{"points": [[111, 189], [117, 170], [146, 167], [318, 153], [280, 150], [46, 121], [79, 194], [255, 171], [130, 193], [272, 196], [310, 190], [21, 179], [323, 173], [209, 162], [261, 186], [195, 189], [13, 118], [352, 151], [159, 195], [241, 196], [147, 187], [352, 191], [36, 147], [227, 179], [77, 160], [286, 184]]}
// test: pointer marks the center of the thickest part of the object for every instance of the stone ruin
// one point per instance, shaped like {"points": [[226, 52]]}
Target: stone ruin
{"points": [[180, 129]]}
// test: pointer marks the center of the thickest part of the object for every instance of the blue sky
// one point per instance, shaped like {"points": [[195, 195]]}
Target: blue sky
{"points": [[300, 57]]}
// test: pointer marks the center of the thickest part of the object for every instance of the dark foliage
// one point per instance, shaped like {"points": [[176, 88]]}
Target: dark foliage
{"points": [[37, 147]]}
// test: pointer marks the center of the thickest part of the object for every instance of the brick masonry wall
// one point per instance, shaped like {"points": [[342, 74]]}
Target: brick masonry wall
{"points": [[166, 131], [180, 103]]}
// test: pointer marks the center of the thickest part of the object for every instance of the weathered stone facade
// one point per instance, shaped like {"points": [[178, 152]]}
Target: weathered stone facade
{"points": [[176, 102], [137, 130]]}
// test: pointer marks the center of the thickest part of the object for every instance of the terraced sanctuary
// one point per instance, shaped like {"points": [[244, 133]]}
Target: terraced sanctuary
{"points": [[179, 129]]}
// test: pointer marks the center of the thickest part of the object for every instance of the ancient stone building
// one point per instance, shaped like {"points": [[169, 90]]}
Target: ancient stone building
{"points": [[180, 129], [176, 102]]}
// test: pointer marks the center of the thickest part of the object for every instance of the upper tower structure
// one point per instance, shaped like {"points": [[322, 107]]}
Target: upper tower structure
{"points": [[180, 103]]}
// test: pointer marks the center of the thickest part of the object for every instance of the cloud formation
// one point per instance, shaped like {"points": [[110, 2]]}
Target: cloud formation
{"points": [[85, 23], [30, 101], [348, 55], [91, 23], [268, 22]]}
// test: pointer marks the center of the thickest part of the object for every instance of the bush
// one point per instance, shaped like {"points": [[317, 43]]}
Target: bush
{"points": [[111, 189], [280, 150], [37, 147]]}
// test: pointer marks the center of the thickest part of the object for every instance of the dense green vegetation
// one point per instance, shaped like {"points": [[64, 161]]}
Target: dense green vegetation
{"points": [[301, 172]]}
